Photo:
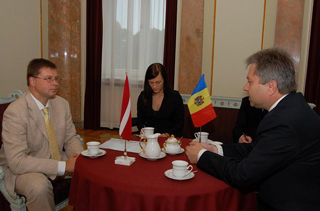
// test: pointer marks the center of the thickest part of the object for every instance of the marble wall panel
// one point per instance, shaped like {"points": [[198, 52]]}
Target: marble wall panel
{"points": [[191, 45], [65, 49], [288, 31]]}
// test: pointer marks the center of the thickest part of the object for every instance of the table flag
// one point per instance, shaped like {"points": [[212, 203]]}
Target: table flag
{"points": [[125, 121], [200, 105]]}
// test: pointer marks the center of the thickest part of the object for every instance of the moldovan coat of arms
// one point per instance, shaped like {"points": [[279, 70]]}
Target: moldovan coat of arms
{"points": [[198, 101]]}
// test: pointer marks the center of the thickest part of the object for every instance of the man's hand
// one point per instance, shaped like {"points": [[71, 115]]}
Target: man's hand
{"points": [[211, 148], [245, 139], [192, 151], [70, 163]]}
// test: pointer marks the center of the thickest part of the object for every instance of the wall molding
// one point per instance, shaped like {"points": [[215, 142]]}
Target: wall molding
{"points": [[219, 102], [225, 102]]}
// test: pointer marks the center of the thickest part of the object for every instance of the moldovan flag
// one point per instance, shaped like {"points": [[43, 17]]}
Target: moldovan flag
{"points": [[125, 121], [200, 105]]}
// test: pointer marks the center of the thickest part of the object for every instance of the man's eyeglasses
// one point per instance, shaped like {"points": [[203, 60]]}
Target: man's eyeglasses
{"points": [[51, 79]]}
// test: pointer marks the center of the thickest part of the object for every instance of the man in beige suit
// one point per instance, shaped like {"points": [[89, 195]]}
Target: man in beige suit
{"points": [[26, 155]]}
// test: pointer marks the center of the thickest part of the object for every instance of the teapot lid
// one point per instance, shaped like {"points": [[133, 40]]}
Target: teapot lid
{"points": [[172, 139]]}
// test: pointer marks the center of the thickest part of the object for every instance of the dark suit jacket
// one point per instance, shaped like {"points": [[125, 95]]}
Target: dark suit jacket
{"points": [[169, 118], [284, 163], [247, 121]]}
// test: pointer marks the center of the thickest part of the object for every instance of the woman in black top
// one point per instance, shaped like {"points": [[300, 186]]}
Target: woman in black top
{"points": [[158, 105]]}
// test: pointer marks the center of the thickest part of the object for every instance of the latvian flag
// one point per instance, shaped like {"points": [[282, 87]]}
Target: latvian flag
{"points": [[125, 121]]}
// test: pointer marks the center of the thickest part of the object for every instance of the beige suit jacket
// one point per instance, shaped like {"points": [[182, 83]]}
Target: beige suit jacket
{"points": [[25, 141]]}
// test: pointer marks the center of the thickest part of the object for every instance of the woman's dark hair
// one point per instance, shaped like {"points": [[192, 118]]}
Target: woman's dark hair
{"points": [[152, 72]]}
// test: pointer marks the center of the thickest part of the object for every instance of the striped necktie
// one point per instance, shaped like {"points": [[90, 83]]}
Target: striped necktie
{"points": [[52, 137]]}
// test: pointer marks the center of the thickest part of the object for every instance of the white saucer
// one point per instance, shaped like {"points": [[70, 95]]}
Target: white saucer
{"points": [[100, 153], [211, 142], [169, 174], [162, 155], [181, 151]]}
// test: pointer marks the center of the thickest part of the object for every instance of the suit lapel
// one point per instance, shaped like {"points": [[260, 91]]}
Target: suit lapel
{"points": [[36, 115]]}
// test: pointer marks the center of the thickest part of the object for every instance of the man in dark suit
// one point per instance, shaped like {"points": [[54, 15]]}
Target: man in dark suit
{"points": [[247, 122], [283, 165]]}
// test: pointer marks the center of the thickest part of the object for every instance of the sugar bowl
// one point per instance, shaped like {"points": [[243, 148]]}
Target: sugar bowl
{"points": [[172, 145]]}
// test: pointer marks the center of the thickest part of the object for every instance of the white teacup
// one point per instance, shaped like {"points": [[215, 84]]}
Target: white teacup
{"points": [[203, 135], [93, 147], [148, 131], [181, 168]]}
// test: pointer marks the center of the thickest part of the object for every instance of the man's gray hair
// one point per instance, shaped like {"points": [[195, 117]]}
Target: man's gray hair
{"points": [[274, 64]]}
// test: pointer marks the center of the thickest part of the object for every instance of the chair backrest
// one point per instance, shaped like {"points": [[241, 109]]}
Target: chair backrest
{"points": [[11, 97], [3, 107], [4, 103]]}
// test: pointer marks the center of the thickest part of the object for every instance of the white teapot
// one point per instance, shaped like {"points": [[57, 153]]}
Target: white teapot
{"points": [[172, 145], [152, 148]]}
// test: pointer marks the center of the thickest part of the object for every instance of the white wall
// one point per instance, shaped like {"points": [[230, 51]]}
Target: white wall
{"points": [[234, 32], [19, 42]]}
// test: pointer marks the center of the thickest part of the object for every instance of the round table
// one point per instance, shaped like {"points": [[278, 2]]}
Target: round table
{"points": [[100, 184]]}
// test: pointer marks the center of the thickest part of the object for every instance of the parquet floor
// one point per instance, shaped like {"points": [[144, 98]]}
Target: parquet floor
{"points": [[94, 135], [97, 135]]}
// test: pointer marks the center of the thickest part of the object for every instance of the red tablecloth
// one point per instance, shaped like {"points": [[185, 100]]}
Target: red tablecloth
{"points": [[99, 184]]}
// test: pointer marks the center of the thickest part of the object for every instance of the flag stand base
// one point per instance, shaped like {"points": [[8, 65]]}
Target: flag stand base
{"points": [[124, 160]]}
